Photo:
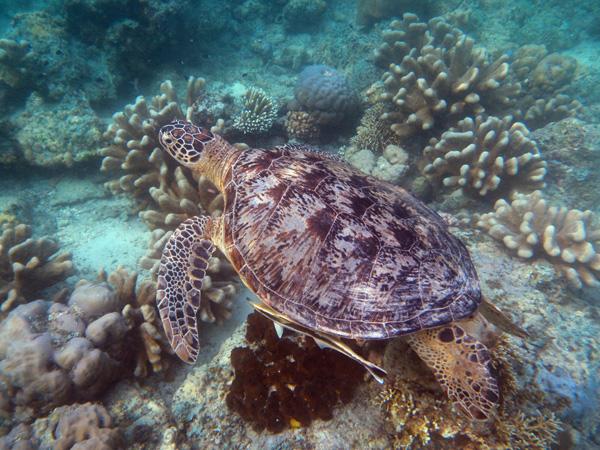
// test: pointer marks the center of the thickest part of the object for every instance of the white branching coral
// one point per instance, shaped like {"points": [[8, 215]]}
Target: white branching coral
{"points": [[568, 238], [258, 113], [486, 156]]}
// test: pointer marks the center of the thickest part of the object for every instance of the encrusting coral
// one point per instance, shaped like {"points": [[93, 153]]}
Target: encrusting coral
{"points": [[568, 238], [78, 426], [436, 76], [167, 193], [485, 157], [28, 266], [281, 383], [420, 416], [258, 113], [543, 77], [390, 166]]}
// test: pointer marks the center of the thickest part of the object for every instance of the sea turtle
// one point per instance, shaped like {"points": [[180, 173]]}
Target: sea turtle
{"points": [[330, 252]]}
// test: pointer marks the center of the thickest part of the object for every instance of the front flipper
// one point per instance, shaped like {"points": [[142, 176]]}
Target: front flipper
{"points": [[182, 268], [463, 366]]}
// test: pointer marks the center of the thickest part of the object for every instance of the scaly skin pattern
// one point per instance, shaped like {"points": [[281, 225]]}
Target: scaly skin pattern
{"points": [[341, 252]]}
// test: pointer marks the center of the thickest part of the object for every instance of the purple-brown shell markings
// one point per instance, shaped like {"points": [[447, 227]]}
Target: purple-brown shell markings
{"points": [[342, 252]]}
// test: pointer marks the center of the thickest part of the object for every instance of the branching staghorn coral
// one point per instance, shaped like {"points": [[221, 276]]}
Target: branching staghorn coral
{"points": [[28, 266], [420, 417], [436, 76], [568, 238], [485, 157], [543, 77], [258, 113]]}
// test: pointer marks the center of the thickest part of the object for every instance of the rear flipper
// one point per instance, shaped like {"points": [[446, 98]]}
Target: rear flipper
{"points": [[463, 366], [182, 269]]}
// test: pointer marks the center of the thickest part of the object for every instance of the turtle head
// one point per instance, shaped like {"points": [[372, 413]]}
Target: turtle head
{"points": [[184, 141]]}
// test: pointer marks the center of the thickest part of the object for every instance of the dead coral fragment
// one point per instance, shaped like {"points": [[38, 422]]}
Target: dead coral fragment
{"points": [[436, 76], [486, 157], [258, 114], [280, 383], [568, 238], [28, 266]]}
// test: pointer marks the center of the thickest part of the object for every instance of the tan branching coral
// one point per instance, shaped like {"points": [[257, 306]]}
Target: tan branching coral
{"points": [[486, 157], [419, 415], [437, 76], [258, 113], [302, 125], [568, 238], [544, 77], [28, 265], [134, 148], [14, 58]]}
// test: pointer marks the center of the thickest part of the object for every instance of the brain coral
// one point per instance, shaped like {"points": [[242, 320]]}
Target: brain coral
{"points": [[280, 383], [436, 76], [325, 94]]}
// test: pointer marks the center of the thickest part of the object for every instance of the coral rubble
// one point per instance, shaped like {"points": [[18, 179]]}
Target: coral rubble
{"points": [[280, 383], [28, 266], [436, 76], [568, 238], [258, 114], [486, 156]]}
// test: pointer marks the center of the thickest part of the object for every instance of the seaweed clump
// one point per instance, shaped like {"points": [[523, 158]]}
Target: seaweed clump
{"points": [[281, 383]]}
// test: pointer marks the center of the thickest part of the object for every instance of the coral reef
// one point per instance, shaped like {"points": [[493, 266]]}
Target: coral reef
{"points": [[369, 11], [543, 77], [280, 383], [28, 266], [258, 113], [81, 426], [390, 166], [419, 415], [325, 94], [58, 134], [436, 76], [485, 157], [568, 238]]}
